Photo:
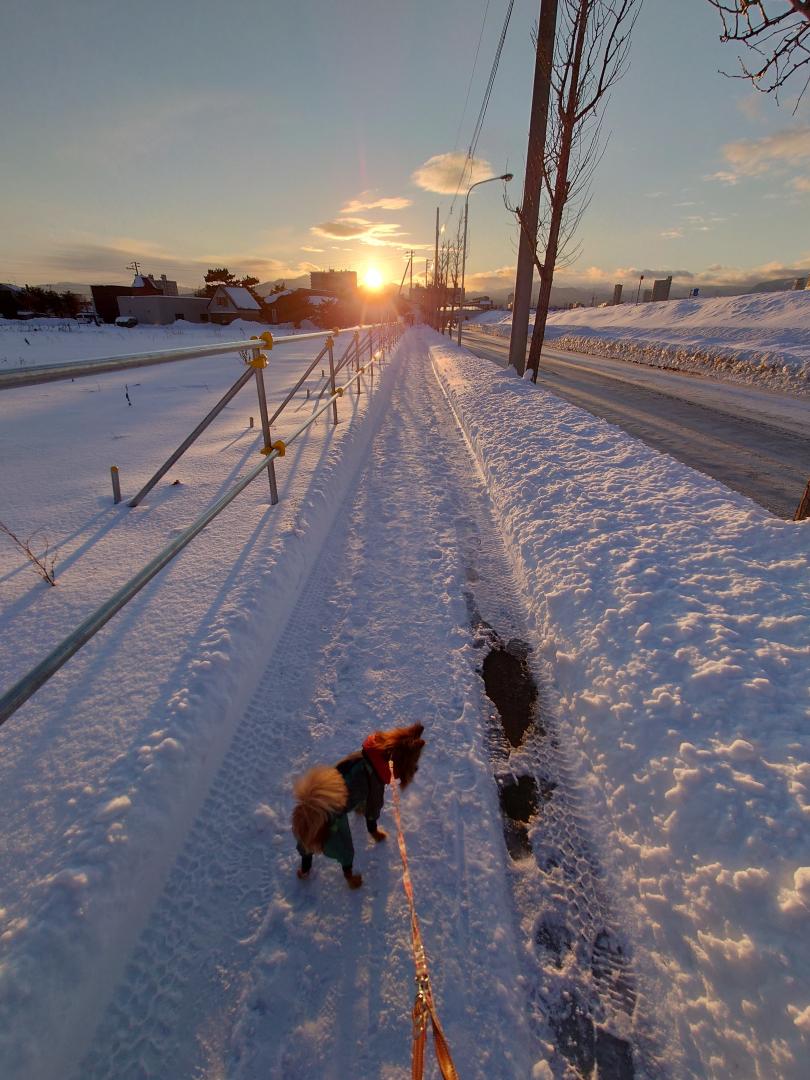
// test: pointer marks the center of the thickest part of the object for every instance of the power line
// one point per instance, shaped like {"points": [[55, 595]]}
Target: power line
{"points": [[472, 76], [482, 112]]}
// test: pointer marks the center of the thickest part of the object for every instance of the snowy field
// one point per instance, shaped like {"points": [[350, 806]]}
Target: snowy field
{"points": [[759, 338], [147, 875], [49, 342]]}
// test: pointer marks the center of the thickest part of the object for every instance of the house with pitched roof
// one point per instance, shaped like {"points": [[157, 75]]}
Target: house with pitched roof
{"points": [[231, 302]]}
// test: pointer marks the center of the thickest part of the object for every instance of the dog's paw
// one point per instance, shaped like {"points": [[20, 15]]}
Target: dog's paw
{"points": [[378, 835], [354, 881], [302, 874]]}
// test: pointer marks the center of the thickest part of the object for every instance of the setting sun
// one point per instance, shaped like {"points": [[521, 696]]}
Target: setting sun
{"points": [[373, 278]]}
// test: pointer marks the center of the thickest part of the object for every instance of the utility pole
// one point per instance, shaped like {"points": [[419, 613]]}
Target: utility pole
{"points": [[134, 267], [530, 208], [410, 286], [435, 272]]}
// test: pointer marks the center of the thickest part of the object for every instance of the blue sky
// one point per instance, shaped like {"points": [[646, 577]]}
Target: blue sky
{"points": [[259, 135]]}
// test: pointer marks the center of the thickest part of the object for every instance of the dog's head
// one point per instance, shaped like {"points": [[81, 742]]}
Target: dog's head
{"points": [[403, 746]]}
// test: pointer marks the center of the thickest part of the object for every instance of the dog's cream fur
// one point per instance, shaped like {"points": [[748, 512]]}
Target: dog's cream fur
{"points": [[320, 792]]}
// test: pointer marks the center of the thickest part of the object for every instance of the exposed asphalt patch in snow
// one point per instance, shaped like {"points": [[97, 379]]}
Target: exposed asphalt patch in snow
{"points": [[586, 987]]}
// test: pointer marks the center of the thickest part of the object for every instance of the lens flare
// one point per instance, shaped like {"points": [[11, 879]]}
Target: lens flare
{"points": [[373, 278]]}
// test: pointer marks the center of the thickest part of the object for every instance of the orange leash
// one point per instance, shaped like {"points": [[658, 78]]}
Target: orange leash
{"points": [[423, 1006]]}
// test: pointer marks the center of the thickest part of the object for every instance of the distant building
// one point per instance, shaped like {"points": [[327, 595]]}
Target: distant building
{"points": [[801, 283], [660, 289], [105, 297], [336, 282], [231, 302], [617, 294], [168, 288], [162, 310]]}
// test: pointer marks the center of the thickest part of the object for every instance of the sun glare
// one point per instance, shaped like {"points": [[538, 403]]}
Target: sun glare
{"points": [[373, 278]]}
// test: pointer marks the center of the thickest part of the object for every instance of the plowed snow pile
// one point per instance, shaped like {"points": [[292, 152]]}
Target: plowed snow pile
{"points": [[754, 338]]}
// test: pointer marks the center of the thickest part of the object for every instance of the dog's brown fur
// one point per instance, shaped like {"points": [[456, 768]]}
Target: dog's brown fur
{"points": [[403, 746], [322, 792]]}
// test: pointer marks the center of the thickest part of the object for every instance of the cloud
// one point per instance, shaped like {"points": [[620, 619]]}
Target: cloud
{"points": [[95, 259], [723, 177], [672, 234], [448, 173], [364, 203], [800, 183], [305, 248], [773, 153], [503, 275], [376, 233], [372, 233]]}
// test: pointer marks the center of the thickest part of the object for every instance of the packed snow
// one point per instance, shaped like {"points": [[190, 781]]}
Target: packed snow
{"points": [[757, 338], [150, 919]]}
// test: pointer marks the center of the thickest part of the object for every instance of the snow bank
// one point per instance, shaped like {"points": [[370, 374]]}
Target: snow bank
{"points": [[759, 338], [675, 619]]}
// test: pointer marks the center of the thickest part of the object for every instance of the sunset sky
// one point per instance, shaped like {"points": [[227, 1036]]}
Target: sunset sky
{"points": [[277, 138]]}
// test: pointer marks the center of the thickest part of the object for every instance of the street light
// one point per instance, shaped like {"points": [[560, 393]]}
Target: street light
{"points": [[506, 178]]}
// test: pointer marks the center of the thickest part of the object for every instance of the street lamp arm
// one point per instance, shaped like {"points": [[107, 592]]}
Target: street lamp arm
{"points": [[506, 177]]}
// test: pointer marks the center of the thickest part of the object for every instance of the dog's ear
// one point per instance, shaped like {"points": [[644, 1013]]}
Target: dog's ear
{"points": [[416, 730]]}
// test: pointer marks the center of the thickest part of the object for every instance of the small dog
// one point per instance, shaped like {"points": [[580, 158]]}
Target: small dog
{"points": [[326, 794]]}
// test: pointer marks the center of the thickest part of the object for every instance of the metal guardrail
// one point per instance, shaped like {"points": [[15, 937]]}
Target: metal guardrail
{"points": [[387, 336], [54, 372]]}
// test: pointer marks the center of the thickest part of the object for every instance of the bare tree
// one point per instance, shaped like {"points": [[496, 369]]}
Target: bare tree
{"points": [[43, 564], [777, 36], [591, 54], [448, 273]]}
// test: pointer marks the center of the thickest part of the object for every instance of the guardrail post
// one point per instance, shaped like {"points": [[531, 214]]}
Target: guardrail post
{"points": [[259, 363], [116, 484], [186, 443], [357, 358], [330, 347]]}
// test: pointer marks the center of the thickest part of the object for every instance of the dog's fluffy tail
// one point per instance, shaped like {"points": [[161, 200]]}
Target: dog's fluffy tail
{"points": [[320, 792]]}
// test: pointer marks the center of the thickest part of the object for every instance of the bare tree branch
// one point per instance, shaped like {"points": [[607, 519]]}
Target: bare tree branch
{"points": [[43, 564], [777, 36]]}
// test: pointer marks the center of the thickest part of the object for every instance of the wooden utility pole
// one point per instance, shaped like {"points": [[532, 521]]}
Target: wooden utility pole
{"points": [[529, 210], [435, 278]]}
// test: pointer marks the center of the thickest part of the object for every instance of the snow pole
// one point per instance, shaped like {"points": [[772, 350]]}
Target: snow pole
{"points": [[116, 483], [259, 363]]}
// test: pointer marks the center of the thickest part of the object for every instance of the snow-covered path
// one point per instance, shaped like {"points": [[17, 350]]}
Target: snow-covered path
{"points": [[244, 968], [663, 899]]}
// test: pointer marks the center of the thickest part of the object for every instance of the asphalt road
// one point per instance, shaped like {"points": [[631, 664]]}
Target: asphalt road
{"points": [[754, 441]]}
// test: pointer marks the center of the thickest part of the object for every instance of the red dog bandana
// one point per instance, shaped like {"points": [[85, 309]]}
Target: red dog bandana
{"points": [[377, 759]]}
